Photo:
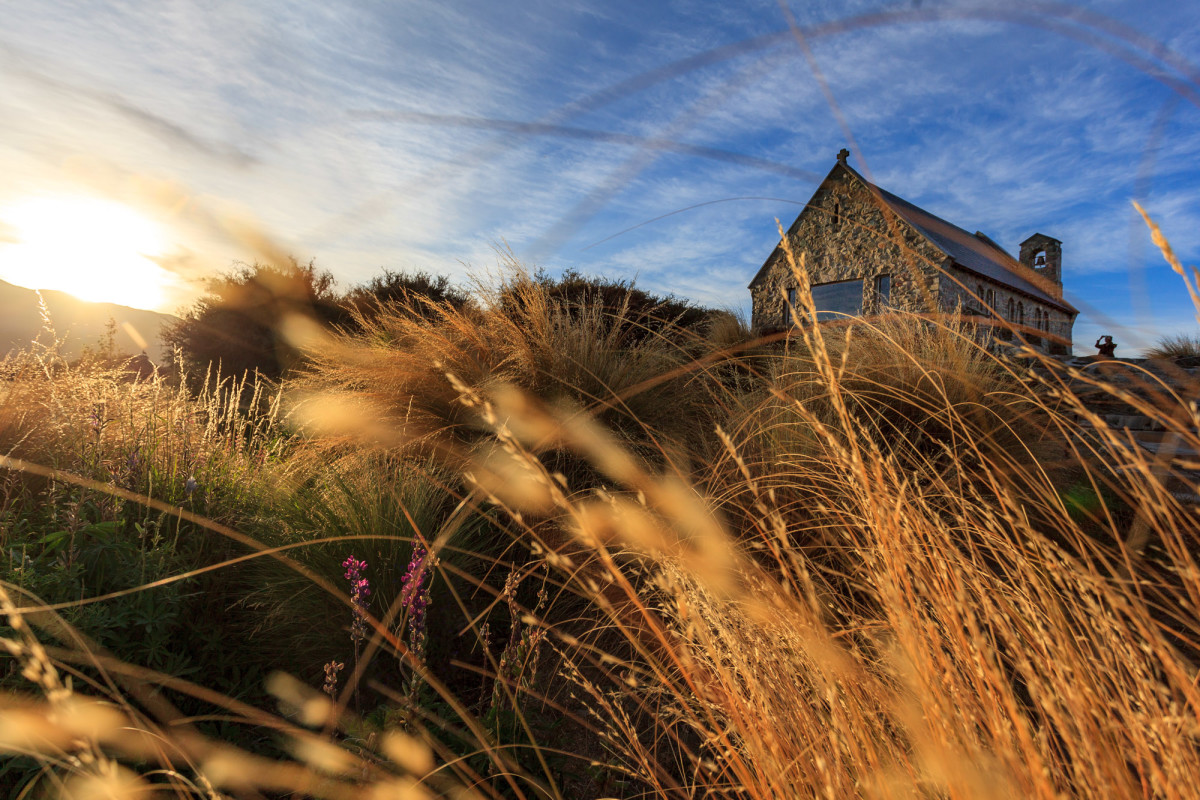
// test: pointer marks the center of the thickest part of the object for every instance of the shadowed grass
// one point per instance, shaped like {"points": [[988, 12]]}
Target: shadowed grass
{"points": [[875, 561]]}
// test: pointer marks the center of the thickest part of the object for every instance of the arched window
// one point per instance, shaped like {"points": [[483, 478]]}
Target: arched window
{"points": [[1012, 310], [1020, 313], [835, 217], [1039, 259], [990, 297]]}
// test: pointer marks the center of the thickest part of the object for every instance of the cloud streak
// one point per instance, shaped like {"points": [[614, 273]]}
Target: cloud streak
{"points": [[620, 137]]}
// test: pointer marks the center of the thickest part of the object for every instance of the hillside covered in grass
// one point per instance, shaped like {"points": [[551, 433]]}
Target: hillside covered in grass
{"points": [[565, 541], [78, 324]]}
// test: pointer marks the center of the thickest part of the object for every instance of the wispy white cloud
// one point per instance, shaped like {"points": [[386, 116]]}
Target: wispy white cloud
{"points": [[992, 121]]}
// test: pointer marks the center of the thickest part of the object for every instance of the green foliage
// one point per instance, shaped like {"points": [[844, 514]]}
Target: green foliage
{"points": [[635, 313], [65, 544], [362, 504], [415, 293], [239, 322], [99, 554], [187, 629]]}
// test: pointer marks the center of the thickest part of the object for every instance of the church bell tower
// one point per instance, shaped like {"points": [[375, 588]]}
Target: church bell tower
{"points": [[1043, 255]]}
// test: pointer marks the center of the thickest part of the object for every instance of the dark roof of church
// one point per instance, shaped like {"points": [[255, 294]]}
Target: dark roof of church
{"points": [[969, 251], [976, 254]]}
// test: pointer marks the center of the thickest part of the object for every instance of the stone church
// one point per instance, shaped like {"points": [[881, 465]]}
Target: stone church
{"points": [[868, 252]]}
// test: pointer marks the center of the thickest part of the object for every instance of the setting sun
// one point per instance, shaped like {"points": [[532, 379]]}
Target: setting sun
{"points": [[95, 249]]}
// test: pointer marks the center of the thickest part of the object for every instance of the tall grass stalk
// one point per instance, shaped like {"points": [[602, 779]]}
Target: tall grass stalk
{"points": [[879, 561]]}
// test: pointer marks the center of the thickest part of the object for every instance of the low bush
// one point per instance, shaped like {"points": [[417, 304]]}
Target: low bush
{"points": [[555, 559], [1181, 347]]}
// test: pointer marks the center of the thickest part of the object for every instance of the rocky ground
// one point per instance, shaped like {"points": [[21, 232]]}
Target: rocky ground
{"points": [[1120, 391]]}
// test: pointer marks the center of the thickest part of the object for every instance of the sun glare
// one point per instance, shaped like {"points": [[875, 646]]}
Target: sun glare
{"points": [[95, 249]]}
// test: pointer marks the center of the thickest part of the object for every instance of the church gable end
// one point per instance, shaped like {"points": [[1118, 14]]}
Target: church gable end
{"points": [[860, 259], [868, 251]]}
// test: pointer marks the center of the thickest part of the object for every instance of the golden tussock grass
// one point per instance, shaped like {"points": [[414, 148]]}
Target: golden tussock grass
{"points": [[881, 561]]}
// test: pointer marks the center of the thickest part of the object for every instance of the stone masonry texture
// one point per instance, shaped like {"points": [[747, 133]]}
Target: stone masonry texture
{"points": [[847, 233]]}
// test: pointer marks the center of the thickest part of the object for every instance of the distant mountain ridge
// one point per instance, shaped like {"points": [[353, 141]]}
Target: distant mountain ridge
{"points": [[78, 322]]}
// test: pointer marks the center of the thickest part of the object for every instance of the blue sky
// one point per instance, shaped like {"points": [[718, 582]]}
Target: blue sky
{"points": [[426, 135]]}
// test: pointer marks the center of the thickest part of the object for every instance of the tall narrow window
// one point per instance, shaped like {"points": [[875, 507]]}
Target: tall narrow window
{"points": [[1020, 313], [835, 218], [990, 299], [1012, 310], [790, 314], [883, 291]]}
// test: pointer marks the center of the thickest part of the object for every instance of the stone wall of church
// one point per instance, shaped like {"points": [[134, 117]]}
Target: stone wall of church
{"points": [[845, 235], [1009, 306]]}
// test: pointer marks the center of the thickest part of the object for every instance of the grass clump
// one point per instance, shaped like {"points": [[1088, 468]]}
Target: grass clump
{"points": [[615, 554], [605, 352], [1181, 347]]}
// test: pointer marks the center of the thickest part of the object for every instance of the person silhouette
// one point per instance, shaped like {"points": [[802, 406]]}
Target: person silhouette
{"points": [[1106, 346]]}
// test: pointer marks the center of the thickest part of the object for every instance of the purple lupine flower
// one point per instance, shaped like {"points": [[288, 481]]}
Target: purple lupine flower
{"points": [[96, 418], [134, 459], [189, 487], [331, 678], [360, 589], [414, 594]]}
